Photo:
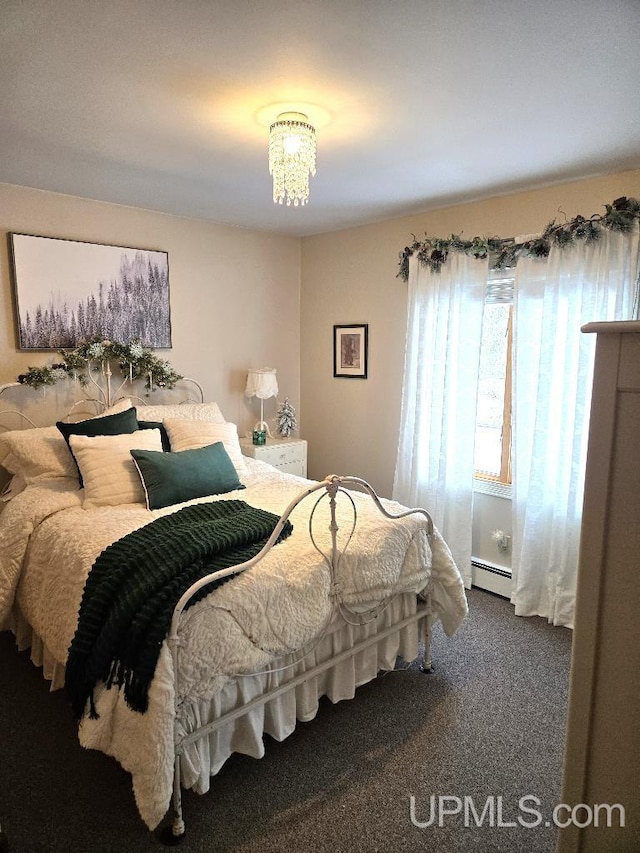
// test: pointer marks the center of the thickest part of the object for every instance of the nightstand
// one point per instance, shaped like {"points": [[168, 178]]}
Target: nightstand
{"points": [[286, 454]]}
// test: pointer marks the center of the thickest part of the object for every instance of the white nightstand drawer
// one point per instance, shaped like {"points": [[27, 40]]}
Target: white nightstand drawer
{"points": [[285, 454], [280, 454], [294, 466]]}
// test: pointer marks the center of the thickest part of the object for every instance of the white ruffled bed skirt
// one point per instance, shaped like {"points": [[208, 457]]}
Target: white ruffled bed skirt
{"points": [[26, 638], [277, 716]]}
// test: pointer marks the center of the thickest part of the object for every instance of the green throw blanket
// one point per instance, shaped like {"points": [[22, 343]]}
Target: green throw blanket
{"points": [[135, 583]]}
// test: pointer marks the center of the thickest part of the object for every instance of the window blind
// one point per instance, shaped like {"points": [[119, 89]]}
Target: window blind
{"points": [[500, 286]]}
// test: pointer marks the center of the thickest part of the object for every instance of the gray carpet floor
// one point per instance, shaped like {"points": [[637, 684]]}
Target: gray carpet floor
{"points": [[485, 729]]}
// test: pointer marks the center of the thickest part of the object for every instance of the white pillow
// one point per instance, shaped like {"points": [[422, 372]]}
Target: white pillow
{"points": [[188, 435], [189, 411], [85, 410], [108, 471], [37, 454], [119, 406]]}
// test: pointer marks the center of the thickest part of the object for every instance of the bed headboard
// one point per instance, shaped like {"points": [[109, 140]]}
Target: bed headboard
{"points": [[22, 406]]}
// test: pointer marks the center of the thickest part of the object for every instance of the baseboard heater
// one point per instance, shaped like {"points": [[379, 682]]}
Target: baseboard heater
{"points": [[491, 567]]}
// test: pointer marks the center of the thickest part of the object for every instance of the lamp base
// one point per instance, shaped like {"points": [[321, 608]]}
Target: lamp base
{"points": [[259, 436], [262, 427]]}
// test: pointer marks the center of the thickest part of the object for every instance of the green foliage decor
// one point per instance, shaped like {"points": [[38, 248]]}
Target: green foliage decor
{"points": [[37, 377], [133, 359], [620, 215]]}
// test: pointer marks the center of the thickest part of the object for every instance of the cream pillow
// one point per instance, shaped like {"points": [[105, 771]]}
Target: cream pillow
{"points": [[37, 454], [85, 410], [119, 406], [189, 411], [188, 435], [108, 471]]}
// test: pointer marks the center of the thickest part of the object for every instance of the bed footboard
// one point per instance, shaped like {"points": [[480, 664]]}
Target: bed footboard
{"points": [[327, 489]]}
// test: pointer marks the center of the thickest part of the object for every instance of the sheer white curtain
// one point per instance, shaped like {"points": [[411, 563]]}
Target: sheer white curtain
{"points": [[434, 465], [553, 370]]}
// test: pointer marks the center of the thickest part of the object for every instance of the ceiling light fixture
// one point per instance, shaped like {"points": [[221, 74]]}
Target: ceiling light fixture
{"points": [[292, 158]]}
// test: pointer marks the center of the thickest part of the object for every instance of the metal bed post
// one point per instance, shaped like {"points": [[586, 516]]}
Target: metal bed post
{"points": [[174, 833], [427, 664]]}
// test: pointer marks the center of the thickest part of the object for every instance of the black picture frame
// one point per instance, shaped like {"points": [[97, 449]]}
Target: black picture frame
{"points": [[351, 350], [68, 291]]}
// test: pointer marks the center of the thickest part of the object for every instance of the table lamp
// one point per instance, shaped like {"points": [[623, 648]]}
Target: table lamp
{"points": [[261, 383]]}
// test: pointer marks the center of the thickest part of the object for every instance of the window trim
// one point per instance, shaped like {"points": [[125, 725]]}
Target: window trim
{"points": [[500, 285], [492, 487]]}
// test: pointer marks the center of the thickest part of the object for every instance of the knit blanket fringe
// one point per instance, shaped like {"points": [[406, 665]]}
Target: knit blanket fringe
{"points": [[135, 583]]}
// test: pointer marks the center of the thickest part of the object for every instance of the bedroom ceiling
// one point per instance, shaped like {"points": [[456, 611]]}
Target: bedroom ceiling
{"points": [[417, 104]]}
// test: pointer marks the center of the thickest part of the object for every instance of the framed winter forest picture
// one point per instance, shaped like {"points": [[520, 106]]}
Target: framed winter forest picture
{"points": [[67, 291]]}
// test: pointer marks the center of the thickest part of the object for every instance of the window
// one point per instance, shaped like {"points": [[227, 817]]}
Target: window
{"points": [[493, 416]]}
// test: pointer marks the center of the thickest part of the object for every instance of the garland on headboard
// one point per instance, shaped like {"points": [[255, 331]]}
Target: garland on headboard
{"points": [[620, 216], [134, 360]]}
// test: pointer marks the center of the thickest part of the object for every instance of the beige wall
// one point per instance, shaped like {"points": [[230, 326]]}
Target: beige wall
{"points": [[350, 277], [236, 302], [235, 294]]}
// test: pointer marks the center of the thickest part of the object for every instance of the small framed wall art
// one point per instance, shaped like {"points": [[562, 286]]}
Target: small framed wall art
{"points": [[351, 350], [69, 291]]}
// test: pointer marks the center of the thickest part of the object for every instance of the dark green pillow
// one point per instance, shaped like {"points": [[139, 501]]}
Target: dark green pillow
{"points": [[164, 435], [122, 423], [172, 478]]}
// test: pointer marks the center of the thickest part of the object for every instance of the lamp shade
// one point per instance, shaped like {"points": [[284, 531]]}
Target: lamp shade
{"points": [[262, 383]]}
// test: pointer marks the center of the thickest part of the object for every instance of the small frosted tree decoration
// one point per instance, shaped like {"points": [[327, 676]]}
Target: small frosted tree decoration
{"points": [[286, 419]]}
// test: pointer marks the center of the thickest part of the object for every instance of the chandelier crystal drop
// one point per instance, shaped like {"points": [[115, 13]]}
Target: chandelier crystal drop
{"points": [[292, 158]]}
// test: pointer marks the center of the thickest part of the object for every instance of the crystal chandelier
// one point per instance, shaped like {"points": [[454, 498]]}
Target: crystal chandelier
{"points": [[292, 157]]}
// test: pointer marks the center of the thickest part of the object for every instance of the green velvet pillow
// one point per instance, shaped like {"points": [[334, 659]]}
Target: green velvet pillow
{"points": [[164, 435], [122, 423], [172, 478]]}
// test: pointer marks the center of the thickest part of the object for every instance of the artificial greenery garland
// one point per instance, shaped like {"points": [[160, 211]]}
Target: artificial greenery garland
{"points": [[620, 216], [133, 358]]}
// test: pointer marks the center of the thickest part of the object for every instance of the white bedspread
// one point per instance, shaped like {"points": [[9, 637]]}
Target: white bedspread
{"points": [[48, 544]]}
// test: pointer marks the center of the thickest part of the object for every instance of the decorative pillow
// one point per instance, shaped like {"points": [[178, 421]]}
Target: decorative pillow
{"points": [[115, 424], [187, 435], [119, 406], [108, 471], [37, 454], [85, 409], [186, 411], [166, 444], [172, 478]]}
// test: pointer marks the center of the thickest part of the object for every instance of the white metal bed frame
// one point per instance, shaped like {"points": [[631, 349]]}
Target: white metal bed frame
{"points": [[329, 488]]}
